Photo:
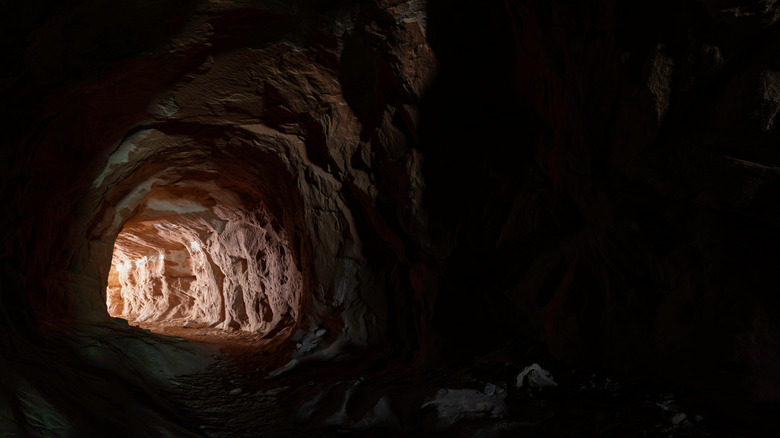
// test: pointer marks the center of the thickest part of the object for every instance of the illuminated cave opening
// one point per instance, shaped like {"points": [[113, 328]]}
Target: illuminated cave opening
{"points": [[186, 257]]}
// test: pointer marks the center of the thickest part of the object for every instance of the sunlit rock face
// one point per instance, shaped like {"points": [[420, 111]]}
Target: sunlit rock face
{"points": [[218, 265]]}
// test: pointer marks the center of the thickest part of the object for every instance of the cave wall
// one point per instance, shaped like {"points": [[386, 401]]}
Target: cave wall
{"points": [[597, 177], [233, 271], [223, 251], [277, 94], [612, 192]]}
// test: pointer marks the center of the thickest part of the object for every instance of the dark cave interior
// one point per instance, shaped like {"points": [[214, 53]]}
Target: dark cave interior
{"points": [[390, 218]]}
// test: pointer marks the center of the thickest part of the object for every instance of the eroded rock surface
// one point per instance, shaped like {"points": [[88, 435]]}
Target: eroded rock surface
{"points": [[219, 265], [416, 181]]}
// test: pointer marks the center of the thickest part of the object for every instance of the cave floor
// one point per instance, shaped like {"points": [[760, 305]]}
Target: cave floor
{"points": [[240, 395], [246, 347]]}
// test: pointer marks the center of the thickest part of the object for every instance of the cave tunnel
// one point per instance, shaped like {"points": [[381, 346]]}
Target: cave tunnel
{"points": [[194, 251], [390, 218]]}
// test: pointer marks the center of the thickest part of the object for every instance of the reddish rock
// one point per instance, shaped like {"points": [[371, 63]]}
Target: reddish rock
{"points": [[421, 180]]}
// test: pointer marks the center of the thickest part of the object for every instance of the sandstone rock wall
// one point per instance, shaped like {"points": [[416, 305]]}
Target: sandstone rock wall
{"points": [[232, 272], [306, 113], [599, 178]]}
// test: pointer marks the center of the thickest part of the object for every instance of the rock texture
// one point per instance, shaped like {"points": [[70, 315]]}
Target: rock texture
{"points": [[420, 180], [259, 134], [245, 165], [219, 266], [619, 207]]}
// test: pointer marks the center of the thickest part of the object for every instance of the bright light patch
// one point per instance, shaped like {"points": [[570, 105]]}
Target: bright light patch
{"points": [[139, 263]]}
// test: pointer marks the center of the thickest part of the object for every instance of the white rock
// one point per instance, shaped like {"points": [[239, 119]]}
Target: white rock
{"points": [[538, 377]]}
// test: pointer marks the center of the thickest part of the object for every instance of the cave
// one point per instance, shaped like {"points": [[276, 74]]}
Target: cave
{"points": [[193, 251], [390, 218]]}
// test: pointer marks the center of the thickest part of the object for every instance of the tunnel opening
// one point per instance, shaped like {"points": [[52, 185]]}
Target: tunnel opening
{"points": [[177, 262], [197, 241]]}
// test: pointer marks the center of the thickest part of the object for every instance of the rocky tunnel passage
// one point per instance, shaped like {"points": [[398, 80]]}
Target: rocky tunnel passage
{"points": [[199, 237], [221, 265], [403, 211]]}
